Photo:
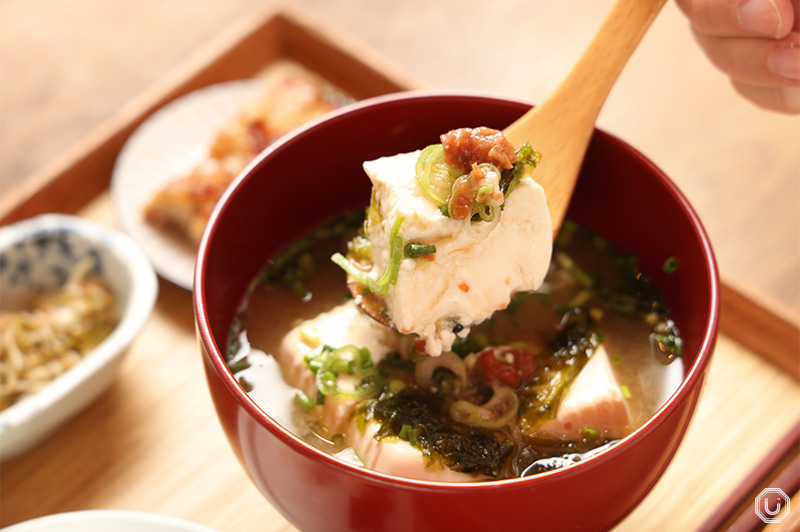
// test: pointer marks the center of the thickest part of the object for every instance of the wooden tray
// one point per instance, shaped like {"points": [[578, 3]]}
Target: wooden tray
{"points": [[152, 442]]}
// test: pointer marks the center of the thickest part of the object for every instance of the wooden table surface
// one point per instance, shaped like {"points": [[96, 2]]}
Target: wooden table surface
{"points": [[152, 441]]}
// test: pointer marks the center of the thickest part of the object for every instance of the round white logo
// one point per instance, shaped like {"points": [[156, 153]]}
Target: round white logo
{"points": [[772, 505]]}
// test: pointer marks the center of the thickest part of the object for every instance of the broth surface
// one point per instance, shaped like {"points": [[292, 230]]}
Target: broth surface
{"points": [[593, 297]]}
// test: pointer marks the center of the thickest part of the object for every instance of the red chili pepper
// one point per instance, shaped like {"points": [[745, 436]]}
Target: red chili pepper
{"points": [[494, 367]]}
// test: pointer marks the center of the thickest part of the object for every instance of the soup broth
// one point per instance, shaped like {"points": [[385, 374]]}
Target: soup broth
{"points": [[510, 399]]}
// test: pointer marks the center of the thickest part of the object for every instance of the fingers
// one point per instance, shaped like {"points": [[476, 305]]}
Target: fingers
{"points": [[782, 99], [759, 62], [756, 43], [743, 18]]}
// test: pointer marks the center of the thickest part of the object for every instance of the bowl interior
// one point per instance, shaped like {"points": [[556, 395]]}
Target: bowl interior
{"points": [[316, 173]]}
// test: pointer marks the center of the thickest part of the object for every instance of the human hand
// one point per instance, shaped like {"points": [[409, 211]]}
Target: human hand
{"points": [[755, 42]]}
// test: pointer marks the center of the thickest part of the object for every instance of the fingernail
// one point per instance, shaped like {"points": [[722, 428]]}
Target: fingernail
{"points": [[785, 62], [760, 17]]}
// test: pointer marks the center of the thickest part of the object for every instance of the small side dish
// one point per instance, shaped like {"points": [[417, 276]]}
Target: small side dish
{"points": [[288, 100], [93, 289], [176, 165]]}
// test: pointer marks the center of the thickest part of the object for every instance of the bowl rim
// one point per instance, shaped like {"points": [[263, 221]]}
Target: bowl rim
{"points": [[692, 378], [141, 297]]}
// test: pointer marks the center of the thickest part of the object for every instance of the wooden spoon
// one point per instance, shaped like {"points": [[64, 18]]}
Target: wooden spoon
{"points": [[562, 126]]}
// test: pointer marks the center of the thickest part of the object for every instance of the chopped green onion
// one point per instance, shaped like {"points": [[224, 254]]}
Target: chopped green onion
{"points": [[246, 386], [415, 250], [568, 230], [583, 278], [395, 256], [581, 298], [309, 336], [327, 382], [626, 392], [329, 363], [395, 386], [434, 175], [590, 434], [408, 433], [392, 271], [566, 262], [351, 270], [239, 366], [340, 366], [303, 400], [412, 437], [670, 265], [616, 358], [364, 358]]}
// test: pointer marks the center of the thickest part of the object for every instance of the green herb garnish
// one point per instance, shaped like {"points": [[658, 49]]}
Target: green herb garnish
{"points": [[415, 250], [392, 271], [329, 364], [670, 265], [434, 175], [590, 434]]}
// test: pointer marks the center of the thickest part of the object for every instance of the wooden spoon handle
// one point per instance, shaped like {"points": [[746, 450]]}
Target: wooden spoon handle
{"points": [[562, 125]]}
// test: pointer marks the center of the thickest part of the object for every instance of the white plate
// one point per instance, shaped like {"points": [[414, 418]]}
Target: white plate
{"points": [[107, 521], [166, 146]]}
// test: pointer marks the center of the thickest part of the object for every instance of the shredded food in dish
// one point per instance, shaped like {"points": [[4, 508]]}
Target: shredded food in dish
{"points": [[38, 345]]}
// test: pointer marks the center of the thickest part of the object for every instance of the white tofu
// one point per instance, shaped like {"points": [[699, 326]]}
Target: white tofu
{"points": [[343, 325], [594, 400], [398, 457], [467, 279], [347, 325]]}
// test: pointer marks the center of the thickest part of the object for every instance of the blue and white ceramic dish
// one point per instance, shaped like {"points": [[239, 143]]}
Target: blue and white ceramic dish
{"points": [[36, 255]]}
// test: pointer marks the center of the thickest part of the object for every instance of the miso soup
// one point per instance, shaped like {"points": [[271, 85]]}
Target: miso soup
{"points": [[558, 375]]}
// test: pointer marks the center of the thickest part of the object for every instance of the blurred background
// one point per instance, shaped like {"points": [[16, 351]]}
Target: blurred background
{"points": [[68, 67]]}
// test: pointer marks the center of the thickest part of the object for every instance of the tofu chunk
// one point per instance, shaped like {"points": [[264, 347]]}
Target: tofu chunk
{"points": [[594, 400], [476, 269], [343, 325], [398, 457]]}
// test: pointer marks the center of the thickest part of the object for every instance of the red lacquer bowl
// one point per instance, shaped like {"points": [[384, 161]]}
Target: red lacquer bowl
{"points": [[315, 173]]}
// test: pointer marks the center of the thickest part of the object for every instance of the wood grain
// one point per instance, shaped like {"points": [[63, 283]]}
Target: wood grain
{"points": [[241, 51], [71, 66]]}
